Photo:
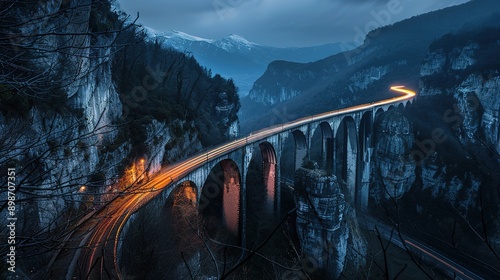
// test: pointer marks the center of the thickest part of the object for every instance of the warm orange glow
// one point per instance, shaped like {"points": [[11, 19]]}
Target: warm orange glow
{"points": [[403, 90], [190, 194], [142, 160], [231, 204], [82, 189]]}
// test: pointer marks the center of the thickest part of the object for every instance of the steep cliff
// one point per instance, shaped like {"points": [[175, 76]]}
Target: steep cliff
{"points": [[454, 159], [326, 226], [54, 136], [460, 80], [78, 127], [394, 171]]}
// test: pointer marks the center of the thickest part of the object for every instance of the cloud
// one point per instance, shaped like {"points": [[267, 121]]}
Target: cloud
{"points": [[380, 2], [272, 22]]}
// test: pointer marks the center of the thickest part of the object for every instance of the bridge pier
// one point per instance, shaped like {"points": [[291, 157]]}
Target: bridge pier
{"points": [[364, 160], [363, 186]]}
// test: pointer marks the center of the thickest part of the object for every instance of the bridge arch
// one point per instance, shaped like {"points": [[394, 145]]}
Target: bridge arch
{"points": [[220, 200], [401, 106], [300, 139], [269, 172], [378, 113], [261, 193], [392, 107], [179, 213], [408, 104], [346, 149], [321, 149]]}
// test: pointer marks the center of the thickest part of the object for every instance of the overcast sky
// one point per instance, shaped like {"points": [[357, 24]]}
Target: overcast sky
{"points": [[278, 22]]}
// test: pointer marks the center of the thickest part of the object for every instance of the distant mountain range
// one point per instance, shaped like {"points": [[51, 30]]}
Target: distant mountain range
{"points": [[235, 57], [391, 54]]}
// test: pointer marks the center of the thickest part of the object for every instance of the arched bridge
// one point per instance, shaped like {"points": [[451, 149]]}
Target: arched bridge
{"points": [[340, 141]]}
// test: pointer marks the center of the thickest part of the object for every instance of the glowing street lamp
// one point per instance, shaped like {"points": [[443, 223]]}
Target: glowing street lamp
{"points": [[82, 189]]}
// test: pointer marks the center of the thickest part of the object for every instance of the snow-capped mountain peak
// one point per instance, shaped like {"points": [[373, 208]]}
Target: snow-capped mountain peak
{"points": [[178, 40], [236, 57], [239, 39], [234, 41], [181, 35], [175, 35]]}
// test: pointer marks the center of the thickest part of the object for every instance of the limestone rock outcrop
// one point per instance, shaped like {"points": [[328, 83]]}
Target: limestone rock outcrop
{"points": [[326, 224], [394, 170]]}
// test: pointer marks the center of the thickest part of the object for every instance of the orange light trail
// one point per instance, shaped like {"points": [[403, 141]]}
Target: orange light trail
{"points": [[122, 207]]}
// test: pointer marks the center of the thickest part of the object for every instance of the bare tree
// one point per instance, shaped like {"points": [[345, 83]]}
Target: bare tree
{"points": [[48, 51], [50, 45]]}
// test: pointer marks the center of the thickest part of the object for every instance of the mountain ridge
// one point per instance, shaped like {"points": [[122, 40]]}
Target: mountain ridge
{"points": [[390, 54], [235, 57]]}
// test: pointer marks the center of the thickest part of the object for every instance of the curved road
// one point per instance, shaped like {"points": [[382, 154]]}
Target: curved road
{"points": [[429, 255], [96, 256]]}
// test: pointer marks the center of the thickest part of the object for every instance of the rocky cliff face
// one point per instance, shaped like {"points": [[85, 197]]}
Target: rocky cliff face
{"points": [[469, 73], [325, 224], [274, 86], [394, 171], [71, 155], [65, 144], [454, 158], [223, 111], [460, 77]]}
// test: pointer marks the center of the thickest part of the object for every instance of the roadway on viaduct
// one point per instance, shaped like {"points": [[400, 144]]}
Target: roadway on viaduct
{"points": [[98, 232]]}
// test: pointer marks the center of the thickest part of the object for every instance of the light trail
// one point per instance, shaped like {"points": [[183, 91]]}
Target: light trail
{"points": [[441, 260], [445, 264], [110, 226]]}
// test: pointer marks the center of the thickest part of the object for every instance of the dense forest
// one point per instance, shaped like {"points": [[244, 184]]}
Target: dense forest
{"points": [[85, 95], [161, 83]]}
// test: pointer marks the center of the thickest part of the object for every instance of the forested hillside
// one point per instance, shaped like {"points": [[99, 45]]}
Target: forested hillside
{"points": [[389, 55], [89, 108]]}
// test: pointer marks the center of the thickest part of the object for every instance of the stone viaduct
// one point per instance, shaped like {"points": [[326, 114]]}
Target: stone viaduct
{"points": [[341, 143]]}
